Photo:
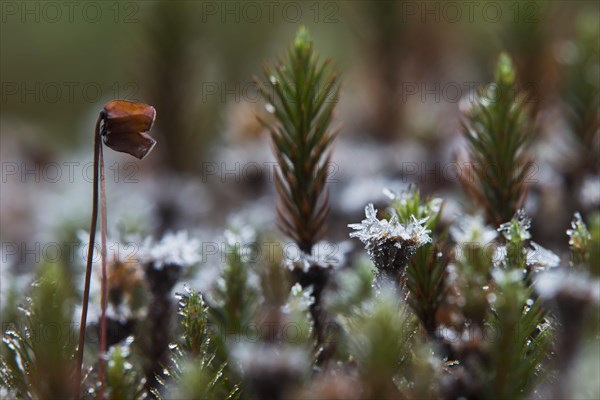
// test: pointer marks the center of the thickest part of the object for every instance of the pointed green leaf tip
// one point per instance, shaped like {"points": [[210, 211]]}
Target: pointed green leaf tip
{"points": [[302, 42], [505, 73]]}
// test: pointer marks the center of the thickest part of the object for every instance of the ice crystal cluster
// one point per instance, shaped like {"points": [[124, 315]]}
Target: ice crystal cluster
{"points": [[540, 258], [517, 228], [517, 235], [389, 243], [579, 236]]}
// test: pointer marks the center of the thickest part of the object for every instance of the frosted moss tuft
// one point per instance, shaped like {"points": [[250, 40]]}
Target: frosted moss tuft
{"points": [[389, 243]]}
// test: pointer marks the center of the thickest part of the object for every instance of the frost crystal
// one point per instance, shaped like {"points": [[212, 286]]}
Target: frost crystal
{"points": [[472, 229], [539, 257], [390, 244], [174, 248], [300, 300], [372, 229], [517, 228], [579, 236]]}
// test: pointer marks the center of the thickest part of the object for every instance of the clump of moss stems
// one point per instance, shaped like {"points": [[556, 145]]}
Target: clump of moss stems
{"points": [[302, 92], [498, 130]]}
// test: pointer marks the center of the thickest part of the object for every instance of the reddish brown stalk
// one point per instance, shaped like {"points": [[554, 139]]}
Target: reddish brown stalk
{"points": [[90, 256], [104, 286], [125, 129]]}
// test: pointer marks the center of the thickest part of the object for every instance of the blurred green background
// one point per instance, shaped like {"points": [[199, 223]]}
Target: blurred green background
{"points": [[62, 61]]}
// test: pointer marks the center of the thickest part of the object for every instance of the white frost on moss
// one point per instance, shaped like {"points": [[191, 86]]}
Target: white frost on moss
{"points": [[371, 230], [579, 235], [174, 248], [539, 257], [472, 229], [517, 228]]}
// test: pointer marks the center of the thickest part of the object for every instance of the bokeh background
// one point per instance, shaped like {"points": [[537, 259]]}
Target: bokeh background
{"points": [[407, 68]]}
